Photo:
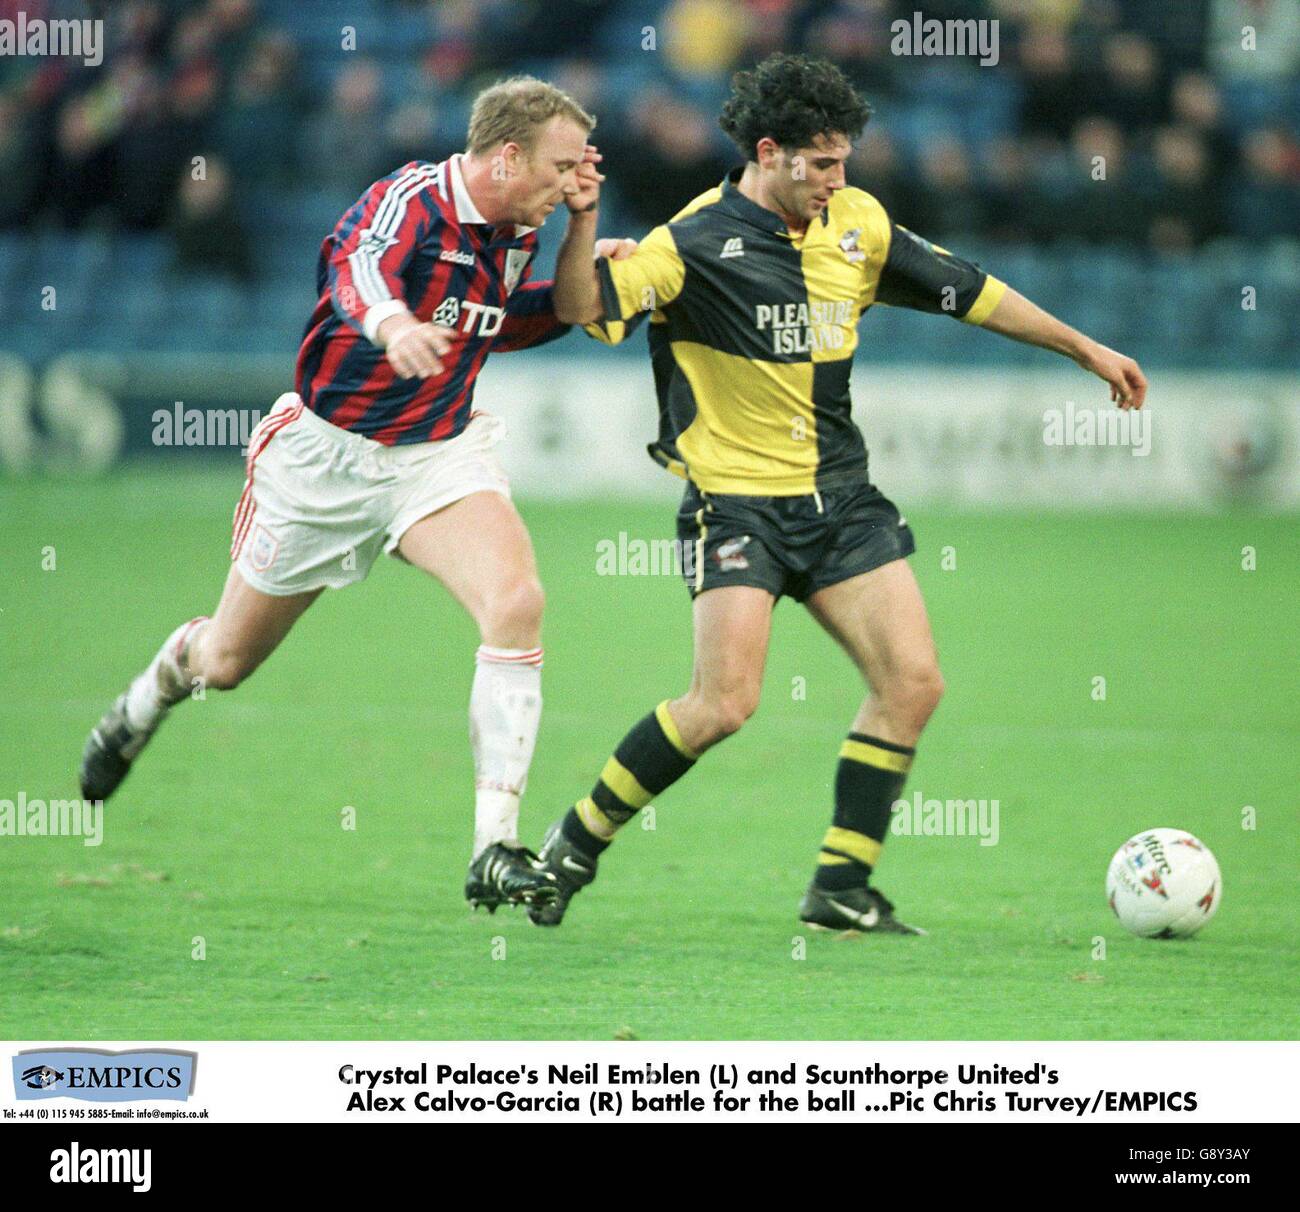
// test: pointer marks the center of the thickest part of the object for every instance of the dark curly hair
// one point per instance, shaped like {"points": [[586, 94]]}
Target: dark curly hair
{"points": [[791, 99]]}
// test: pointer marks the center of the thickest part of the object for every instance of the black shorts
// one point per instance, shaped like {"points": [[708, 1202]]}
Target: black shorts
{"points": [[790, 546]]}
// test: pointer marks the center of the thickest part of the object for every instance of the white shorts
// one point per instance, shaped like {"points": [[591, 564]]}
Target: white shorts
{"points": [[320, 503]]}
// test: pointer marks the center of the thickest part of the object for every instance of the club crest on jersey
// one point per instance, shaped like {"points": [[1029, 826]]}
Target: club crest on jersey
{"points": [[262, 554], [849, 245], [516, 260]]}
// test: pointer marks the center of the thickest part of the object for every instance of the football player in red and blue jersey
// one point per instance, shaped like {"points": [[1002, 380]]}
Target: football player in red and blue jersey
{"points": [[379, 448]]}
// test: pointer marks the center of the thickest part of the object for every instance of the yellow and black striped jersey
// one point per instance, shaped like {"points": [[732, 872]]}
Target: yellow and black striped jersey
{"points": [[753, 328]]}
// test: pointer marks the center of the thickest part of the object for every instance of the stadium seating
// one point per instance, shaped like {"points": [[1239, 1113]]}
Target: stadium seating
{"points": [[118, 288]]}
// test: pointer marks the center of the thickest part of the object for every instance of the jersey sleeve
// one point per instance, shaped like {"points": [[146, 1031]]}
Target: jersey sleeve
{"points": [[925, 277], [375, 241], [649, 280], [530, 318], [614, 332]]}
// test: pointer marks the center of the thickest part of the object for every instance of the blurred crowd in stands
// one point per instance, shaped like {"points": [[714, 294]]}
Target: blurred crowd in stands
{"points": [[288, 100]]}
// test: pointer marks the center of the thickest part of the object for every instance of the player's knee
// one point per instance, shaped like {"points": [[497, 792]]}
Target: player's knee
{"points": [[224, 669], [729, 711], [915, 692], [513, 617]]}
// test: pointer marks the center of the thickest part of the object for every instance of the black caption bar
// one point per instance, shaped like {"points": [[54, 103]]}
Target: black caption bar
{"points": [[238, 1159]]}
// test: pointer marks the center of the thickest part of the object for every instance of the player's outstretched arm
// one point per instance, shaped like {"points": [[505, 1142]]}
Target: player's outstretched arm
{"points": [[925, 277], [1016, 317]]}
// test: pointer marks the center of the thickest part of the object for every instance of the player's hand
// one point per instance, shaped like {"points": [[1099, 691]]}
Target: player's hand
{"points": [[615, 250], [589, 179], [414, 350], [1128, 385]]}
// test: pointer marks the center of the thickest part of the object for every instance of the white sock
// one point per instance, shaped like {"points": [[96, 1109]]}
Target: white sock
{"points": [[163, 683], [505, 708]]}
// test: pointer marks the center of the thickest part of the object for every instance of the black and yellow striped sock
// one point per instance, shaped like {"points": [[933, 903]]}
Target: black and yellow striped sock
{"points": [[647, 761], [868, 780]]}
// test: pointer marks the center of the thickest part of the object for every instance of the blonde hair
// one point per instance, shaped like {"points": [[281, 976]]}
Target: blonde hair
{"points": [[514, 110]]}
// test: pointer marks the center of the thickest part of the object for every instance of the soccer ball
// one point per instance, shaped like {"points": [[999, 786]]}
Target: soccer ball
{"points": [[1164, 883]]}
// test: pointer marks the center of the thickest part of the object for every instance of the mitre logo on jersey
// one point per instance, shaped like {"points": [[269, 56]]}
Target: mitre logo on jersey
{"points": [[473, 319], [448, 313], [798, 328]]}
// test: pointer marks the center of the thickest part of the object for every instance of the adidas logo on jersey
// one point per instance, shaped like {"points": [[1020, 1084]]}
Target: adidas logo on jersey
{"points": [[373, 244], [456, 256], [734, 247]]}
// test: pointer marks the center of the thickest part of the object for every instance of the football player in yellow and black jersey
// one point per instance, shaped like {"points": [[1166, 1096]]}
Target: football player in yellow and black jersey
{"points": [[753, 293]]}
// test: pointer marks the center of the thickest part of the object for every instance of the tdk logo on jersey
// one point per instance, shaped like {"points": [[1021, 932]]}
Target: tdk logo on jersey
{"points": [[735, 247], [479, 320], [104, 1077], [805, 327]]}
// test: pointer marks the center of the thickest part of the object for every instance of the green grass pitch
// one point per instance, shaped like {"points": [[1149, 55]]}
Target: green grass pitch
{"points": [[230, 827]]}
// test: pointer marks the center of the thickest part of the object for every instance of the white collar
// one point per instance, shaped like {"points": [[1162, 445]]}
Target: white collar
{"points": [[466, 211]]}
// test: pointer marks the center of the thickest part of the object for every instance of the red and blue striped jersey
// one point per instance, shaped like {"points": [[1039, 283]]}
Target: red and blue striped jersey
{"points": [[416, 241]]}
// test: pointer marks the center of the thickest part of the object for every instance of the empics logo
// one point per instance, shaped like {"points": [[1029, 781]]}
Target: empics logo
{"points": [[104, 1077], [41, 1077]]}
